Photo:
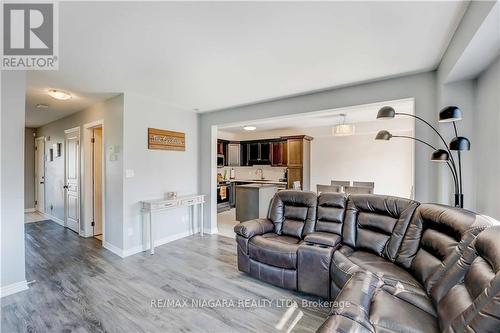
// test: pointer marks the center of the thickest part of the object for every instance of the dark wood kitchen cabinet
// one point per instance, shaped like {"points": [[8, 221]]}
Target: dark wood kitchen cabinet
{"points": [[259, 152], [279, 153]]}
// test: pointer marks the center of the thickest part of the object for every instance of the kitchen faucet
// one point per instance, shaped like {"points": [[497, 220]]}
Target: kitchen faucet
{"points": [[259, 170]]}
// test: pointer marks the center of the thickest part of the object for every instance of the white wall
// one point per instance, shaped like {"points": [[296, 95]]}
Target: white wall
{"points": [[361, 158], [486, 141], [111, 111], [13, 88], [156, 171]]}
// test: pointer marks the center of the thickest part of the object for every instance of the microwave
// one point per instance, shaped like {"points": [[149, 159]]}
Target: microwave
{"points": [[220, 160]]}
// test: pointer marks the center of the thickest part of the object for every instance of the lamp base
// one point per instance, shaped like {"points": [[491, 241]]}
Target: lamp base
{"points": [[459, 200]]}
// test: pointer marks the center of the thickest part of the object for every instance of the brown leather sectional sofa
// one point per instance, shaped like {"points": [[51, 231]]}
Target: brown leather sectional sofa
{"points": [[393, 265]]}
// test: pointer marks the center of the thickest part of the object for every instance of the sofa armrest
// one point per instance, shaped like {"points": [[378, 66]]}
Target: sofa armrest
{"points": [[323, 238], [251, 228]]}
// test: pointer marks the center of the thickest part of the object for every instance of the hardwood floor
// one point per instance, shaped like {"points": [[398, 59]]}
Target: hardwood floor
{"points": [[81, 287]]}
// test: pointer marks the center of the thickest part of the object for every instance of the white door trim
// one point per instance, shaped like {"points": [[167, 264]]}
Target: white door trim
{"points": [[37, 206], [87, 176], [70, 131]]}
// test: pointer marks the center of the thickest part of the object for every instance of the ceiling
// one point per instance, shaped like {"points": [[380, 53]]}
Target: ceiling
{"points": [[57, 109], [206, 56], [319, 123]]}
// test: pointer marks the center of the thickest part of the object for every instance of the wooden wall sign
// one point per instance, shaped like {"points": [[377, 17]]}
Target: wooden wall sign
{"points": [[166, 140]]}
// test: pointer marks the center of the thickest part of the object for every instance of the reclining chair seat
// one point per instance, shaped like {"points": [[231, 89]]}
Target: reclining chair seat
{"points": [[275, 250], [346, 262], [367, 303]]}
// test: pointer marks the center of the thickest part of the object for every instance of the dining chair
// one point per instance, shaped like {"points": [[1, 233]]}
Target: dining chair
{"points": [[358, 190], [328, 188], [341, 182]]}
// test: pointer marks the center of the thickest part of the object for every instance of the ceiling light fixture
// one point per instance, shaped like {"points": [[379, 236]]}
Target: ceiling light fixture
{"points": [[343, 129], [59, 94], [249, 128], [42, 106]]}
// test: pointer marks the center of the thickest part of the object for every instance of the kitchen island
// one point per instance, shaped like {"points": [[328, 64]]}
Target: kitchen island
{"points": [[252, 200]]}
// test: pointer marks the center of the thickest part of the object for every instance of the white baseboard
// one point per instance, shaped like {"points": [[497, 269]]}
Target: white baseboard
{"points": [[112, 248], [53, 218], [13, 288], [212, 231], [30, 210], [158, 242]]}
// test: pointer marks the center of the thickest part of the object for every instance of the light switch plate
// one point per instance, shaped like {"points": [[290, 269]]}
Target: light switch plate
{"points": [[129, 173]]}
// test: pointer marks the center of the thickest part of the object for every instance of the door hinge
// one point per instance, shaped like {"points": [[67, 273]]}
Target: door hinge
{"points": [[92, 223], [36, 148], [92, 140]]}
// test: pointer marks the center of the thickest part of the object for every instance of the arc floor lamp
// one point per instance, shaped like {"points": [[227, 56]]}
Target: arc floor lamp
{"points": [[458, 143]]}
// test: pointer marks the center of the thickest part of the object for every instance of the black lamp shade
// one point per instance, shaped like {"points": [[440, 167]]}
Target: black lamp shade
{"points": [[386, 112], [440, 155], [450, 114], [460, 143], [383, 135]]}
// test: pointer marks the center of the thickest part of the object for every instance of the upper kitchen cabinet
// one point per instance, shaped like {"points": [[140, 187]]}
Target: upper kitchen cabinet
{"points": [[299, 160], [222, 152], [259, 152], [234, 154], [279, 153]]}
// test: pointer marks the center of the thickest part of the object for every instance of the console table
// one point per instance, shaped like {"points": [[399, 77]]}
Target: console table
{"points": [[158, 205]]}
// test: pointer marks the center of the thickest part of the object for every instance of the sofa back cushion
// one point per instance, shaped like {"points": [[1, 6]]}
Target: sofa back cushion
{"points": [[377, 223], [293, 213], [331, 212], [468, 294], [434, 238]]}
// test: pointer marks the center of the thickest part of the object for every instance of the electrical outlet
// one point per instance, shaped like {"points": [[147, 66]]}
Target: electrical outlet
{"points": [[51, 207]]}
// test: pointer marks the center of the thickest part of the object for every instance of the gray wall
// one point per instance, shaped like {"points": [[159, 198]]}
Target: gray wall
{"points": [[111, 111], [13, 91], [422, 87], [29, 168], [486, 141], [157, 172]]}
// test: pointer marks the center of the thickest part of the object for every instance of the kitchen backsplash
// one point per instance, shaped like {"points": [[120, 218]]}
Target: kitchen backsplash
{"points": [[247, 173]]}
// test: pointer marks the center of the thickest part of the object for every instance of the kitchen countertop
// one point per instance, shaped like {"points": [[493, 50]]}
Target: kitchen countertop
{"points": [[263, 181], [256, 185]]}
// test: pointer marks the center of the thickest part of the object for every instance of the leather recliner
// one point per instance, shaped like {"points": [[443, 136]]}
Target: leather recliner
{"points": [[267, 248], [396, 262]]}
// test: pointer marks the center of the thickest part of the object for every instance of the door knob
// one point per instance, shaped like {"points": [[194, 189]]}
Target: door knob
{"points": [[41, 182], [65, 186]]}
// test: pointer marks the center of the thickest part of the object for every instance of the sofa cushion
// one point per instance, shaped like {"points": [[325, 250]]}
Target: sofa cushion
{"points": [[331, 212], [323, 238], [275, 250], [346, 262], [433, 237], [468, 294], [372, 309], [377, 223], [293, 213]]}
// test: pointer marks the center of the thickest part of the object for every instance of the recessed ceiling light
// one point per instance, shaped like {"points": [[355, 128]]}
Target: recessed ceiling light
{"points": [[42, 106], [249, 128], [59, 94]]}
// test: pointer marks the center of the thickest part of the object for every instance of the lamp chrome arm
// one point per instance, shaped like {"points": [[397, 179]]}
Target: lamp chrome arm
{"points": [[437, 132], [453, 172]]}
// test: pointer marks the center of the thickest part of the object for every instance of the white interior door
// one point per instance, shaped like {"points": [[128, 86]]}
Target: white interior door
{"points": [[40, 174], [97, 167], [72, 181]]}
